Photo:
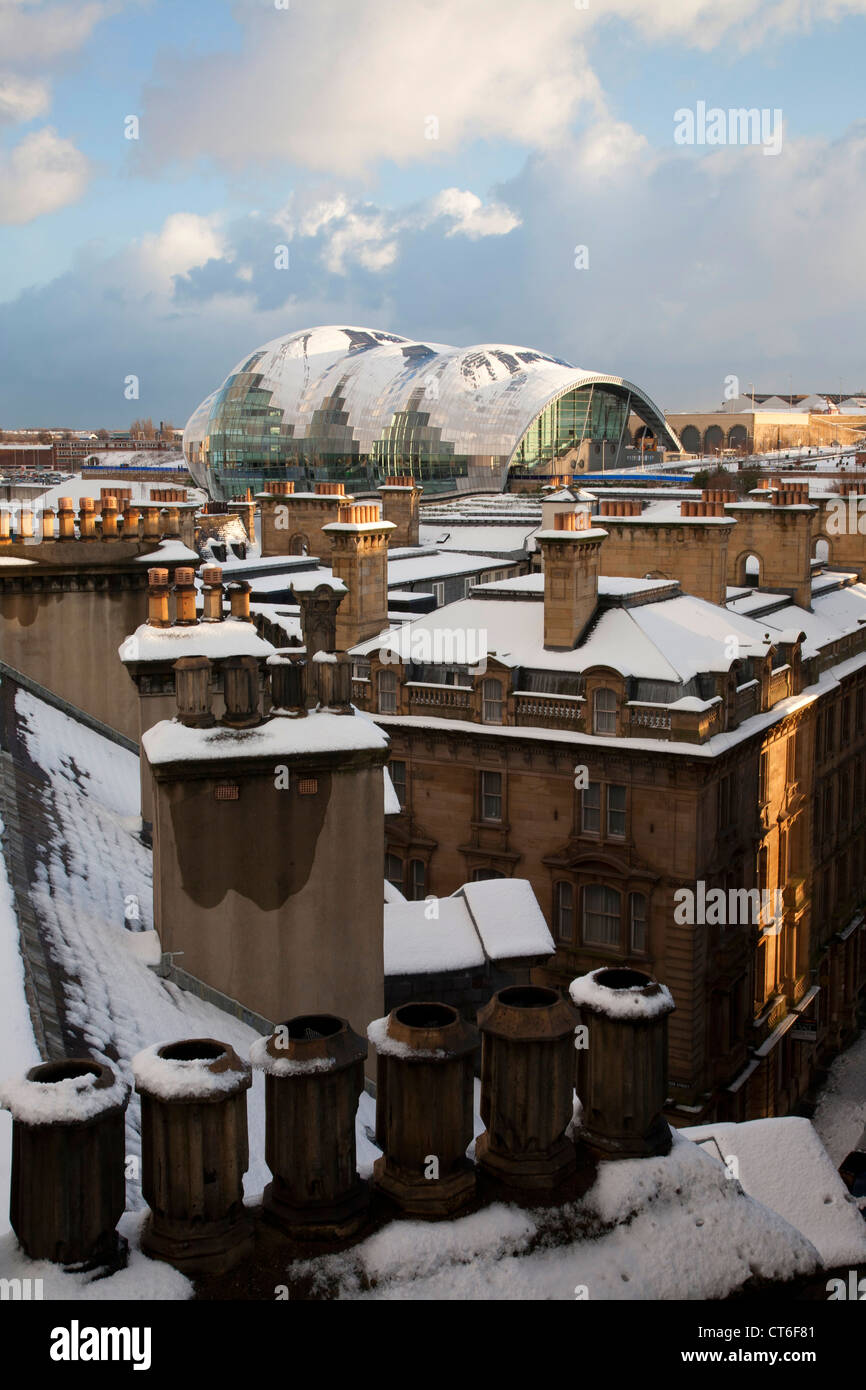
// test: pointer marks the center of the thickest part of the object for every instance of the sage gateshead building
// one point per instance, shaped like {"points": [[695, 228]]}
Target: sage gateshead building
{"points": [[359, 406]]}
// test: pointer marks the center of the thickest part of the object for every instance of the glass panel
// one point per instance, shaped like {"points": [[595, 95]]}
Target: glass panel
{"points": [[591, 808], [563, 912], [601, 916], [491, 796], [637, 910], [616, 810]]}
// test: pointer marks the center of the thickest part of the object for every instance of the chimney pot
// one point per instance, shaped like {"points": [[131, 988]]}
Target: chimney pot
{"points": [[48, 524], [239, 594], [241, 692], [288, 693], [184, 592], [66, 518], [192, 683], [212, 577], [157, 598]]}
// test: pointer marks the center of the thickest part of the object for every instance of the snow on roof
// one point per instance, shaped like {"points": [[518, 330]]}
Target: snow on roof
{"points": [[452, 562], [417, 943], [654, 1228], [671, 640], [508, 918], [321, 732], [231, 637], [169, 553], [487, 540], [498, 919], [783, 1164], [311, 580]]}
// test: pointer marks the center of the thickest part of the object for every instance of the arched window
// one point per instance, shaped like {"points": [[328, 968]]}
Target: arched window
{"points": [[299, 544], [394, 871], [387, 692], [601, 916], [637, 906], [491, 701], [482, 875], [604, 711], [563, 911]]}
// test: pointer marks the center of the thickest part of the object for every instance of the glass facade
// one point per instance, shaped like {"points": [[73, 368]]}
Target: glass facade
{"points": [[359, 406]]}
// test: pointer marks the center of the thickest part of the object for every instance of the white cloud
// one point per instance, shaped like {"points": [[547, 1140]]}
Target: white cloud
{"points": [[336, 87], [184, 240], [332, 86], [35, 33], [40, 174], [470, 216], [22, 98]]}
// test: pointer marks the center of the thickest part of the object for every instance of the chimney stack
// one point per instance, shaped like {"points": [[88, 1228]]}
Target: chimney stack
{"points": [[571, 555], [314, 1076], [288, 686], [359, 557], [400, 503], [424, 1104], [622, 1073]]}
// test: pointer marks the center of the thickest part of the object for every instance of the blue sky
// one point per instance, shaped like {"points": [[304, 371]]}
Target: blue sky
{"points": [[262, 126]]}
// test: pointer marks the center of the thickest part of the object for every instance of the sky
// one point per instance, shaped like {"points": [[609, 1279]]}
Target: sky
{"points": [[184, 180]]}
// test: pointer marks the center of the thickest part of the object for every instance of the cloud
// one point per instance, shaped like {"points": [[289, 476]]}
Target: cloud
{"points": [[32, 32], [22, 98], [336, 87], [702, 263], [40, 174], [339, 88], [469, 216]]}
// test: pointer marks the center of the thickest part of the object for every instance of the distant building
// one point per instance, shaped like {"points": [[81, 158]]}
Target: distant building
{"points": [[358, 406]]}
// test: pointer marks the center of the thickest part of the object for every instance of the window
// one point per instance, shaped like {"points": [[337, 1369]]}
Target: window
{"points": [[394, 871], [590, 814], [616, 811], [439, 594], [764, 779], [563, 912], [387, 692], [604, 711], [491, 796], [417, 879], [491, 697], [398, 780], [637, 917], [467, 585], [482, 875], [791, 761], [601, 916]]}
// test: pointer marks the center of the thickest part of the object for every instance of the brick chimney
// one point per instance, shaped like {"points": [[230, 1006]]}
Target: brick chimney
{"points": [[360, 559], [400, 498], [571, 555], [294, 522]]}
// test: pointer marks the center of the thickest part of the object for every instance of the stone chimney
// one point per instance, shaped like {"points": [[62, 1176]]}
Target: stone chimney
{"points": [[571, 555], [250, 826], [293, 522], [401, 496], [360, 559]]}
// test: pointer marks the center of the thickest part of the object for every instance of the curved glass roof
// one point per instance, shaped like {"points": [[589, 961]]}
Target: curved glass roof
{"points": [[361, 405]]}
